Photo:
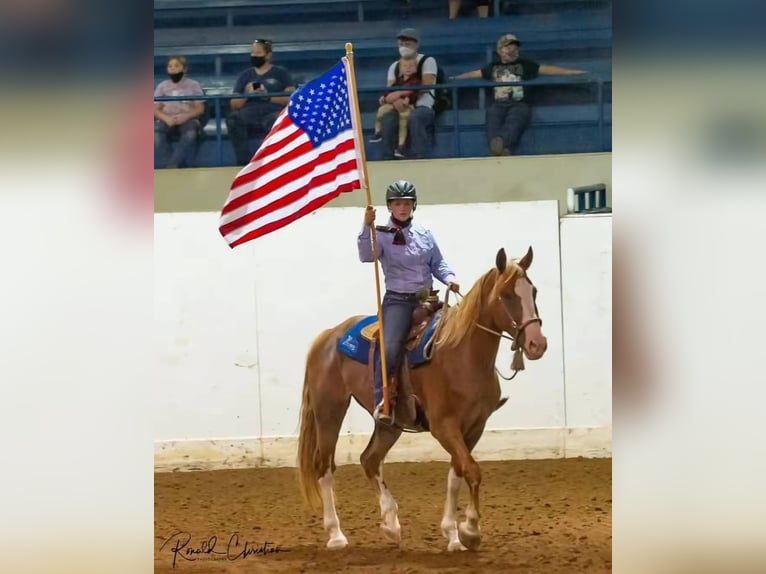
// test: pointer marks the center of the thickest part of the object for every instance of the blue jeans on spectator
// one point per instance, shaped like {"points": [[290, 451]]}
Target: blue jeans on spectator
{"points": [[251, 119], [185, 149], [420, 129], [397, 315], [507, 120]]}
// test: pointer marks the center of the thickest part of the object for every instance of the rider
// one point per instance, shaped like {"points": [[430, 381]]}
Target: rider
{"points": [[409, 257]]}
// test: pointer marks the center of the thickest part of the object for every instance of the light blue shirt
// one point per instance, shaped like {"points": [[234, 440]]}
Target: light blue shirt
{"points": [[407, 268]]}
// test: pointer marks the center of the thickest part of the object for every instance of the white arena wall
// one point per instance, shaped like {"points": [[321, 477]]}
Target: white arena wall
{"points": [[233, 328]]}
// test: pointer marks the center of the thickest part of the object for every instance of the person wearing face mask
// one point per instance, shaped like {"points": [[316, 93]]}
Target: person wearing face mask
{"points": [[255, 116], [410, 258], [176, 119], [420, 123], [508, 115]]}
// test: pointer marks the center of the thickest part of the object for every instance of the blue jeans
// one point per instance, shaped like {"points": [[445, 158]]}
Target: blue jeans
{"points": [[397, 316], [185, 149], [255, 119], [420, 129], [507, 120]]}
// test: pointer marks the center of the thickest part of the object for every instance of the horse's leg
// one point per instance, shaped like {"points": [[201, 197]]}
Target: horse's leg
{"points": [[383, 438], [464, 466], [468, 531], [329, 418], [449, 519]]}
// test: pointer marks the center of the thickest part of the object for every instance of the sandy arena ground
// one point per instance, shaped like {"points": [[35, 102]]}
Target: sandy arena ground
{"points": [[541, 516]]}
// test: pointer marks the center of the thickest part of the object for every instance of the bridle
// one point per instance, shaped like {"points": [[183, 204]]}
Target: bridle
{"points": [[517, 336]]}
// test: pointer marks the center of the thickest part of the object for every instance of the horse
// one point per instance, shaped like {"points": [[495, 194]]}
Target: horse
{"points": [[458, 390]]}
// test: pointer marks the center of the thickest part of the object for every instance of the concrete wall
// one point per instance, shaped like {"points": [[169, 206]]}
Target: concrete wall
{"points": [[233, 328], [438, 181]]}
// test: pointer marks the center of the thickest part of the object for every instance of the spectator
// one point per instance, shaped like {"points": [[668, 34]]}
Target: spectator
{"points": [[508, 114], [177, 119], [420, 123], [255, 116], [399, 100], [482, 7]]}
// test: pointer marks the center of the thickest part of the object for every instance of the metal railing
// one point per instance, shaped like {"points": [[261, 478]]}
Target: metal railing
{"points": [[453, 113]]}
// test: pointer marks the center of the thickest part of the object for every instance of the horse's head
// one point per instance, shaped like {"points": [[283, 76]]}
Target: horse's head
{"points": [[513, 305]]}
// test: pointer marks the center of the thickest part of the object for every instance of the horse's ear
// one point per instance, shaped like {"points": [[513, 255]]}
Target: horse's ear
{"points": [[501, 260], [526, 261]]}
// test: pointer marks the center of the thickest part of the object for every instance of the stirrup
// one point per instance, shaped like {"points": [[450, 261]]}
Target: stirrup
{"points": [[382, 418]]}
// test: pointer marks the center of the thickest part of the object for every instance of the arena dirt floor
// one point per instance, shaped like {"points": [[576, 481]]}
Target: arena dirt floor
{"points": [[541, 516]]}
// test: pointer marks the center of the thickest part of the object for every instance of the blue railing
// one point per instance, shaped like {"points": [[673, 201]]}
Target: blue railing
{"points": [[449, 119]]}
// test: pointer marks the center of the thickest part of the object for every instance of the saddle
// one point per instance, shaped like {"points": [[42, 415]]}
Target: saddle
{"points": [[410, 415], [429, 305]]}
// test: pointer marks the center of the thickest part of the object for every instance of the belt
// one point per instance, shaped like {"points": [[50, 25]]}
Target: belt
{"points": [[422, 294]]}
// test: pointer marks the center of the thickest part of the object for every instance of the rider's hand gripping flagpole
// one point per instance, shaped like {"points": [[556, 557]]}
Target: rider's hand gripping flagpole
{"points": [[356, 119]]}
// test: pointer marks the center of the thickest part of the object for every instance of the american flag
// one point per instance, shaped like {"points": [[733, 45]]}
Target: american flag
{"points": [[310, 156]]}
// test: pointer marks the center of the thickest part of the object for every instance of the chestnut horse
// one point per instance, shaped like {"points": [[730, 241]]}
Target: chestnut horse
{"points": [[458, 390]]}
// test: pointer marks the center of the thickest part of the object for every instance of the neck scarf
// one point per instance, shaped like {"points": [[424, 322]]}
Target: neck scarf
{"points": [[396, 230]]}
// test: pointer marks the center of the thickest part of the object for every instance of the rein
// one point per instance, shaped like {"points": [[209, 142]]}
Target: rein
{"points": [[517, 339]]}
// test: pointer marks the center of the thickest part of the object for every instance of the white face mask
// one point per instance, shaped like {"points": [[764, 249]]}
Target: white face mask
{"points": [[406, 51]]}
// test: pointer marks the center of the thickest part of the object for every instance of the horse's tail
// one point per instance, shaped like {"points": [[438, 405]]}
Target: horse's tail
{"points": [[308, 462]]}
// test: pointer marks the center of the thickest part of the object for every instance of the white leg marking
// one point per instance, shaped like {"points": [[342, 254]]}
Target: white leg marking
{"points": [[469, 530], [388, 510], [331, 522], [449, 524]]}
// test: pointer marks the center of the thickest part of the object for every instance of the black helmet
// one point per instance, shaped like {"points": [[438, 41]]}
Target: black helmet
{"points": [[401, 189]]}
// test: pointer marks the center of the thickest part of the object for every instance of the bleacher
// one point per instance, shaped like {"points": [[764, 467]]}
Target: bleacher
{"points": [[571, 114]]}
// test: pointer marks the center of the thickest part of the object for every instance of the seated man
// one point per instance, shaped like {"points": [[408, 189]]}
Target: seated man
{"points": [[177, 120], [257, 115], [420, 123], [508, 115]]}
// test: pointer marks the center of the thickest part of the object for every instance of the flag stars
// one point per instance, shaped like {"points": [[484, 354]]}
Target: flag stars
{"points": [[321, 108]]}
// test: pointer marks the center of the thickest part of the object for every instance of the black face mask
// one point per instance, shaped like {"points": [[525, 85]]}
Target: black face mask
{"points": [[257, 61], [176, 77]]}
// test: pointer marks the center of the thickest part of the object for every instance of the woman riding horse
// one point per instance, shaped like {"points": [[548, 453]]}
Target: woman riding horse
{"points": [[458, 389], [409, 257]]}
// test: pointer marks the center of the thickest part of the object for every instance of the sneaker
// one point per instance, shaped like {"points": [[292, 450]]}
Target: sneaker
{"points": [[376, 138], [400, 153], [496, 147], [380, 417]]}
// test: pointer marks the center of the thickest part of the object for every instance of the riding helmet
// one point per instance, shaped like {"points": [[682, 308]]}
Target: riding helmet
{"points": [[401, 189]]}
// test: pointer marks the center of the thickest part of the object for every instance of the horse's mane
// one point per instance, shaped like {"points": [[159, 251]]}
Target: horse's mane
{"points": [[458, 319]]}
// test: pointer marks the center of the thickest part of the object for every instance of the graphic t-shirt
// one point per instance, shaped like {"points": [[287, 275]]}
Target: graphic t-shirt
{"points": [[516, 71]]}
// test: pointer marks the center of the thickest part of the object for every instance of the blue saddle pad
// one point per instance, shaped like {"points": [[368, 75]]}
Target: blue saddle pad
{"points": [[353, 345], [417, 355]]}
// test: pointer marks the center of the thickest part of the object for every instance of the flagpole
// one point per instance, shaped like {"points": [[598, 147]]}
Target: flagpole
{"points": [[360, 136]]}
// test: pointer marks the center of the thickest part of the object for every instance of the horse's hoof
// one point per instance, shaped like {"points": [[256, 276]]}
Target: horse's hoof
{"points": [[337, 543], [455, 545], [391, 534], [470, 538]]}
